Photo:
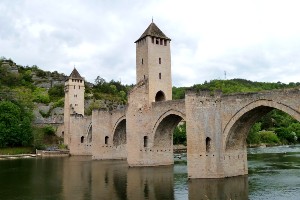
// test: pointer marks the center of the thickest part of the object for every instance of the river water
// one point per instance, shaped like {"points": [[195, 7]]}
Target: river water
{"points": [[274, 173]]}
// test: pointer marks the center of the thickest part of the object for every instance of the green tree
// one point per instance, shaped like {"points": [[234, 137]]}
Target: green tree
{"points": [[179, 135], [15, 125], [254, 136]]}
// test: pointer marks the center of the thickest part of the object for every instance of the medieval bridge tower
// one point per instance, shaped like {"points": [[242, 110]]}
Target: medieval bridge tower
{"points": [[153, 63], [74, 101]]}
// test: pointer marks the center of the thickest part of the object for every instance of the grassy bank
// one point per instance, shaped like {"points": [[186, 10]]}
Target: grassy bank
{"points": [[16, 150]]}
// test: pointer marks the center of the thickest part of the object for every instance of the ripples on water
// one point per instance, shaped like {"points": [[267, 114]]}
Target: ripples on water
{"points": [[274, 173]]}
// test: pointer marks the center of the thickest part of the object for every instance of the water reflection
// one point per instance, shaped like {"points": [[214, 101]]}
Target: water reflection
{"points": [[115, 180], [228, 188], [272, 175], [150, 183]]}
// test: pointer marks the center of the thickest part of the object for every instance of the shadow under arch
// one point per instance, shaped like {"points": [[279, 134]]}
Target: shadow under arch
{"points": [[89, 133], [119, 132], [238, 127], [164, 127]]}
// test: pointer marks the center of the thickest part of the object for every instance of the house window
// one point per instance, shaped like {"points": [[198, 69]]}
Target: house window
{"points": [[159, 60], [159, 75]]}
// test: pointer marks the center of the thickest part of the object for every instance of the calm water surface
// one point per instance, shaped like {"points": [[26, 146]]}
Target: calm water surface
{"points": [[274, 173]]}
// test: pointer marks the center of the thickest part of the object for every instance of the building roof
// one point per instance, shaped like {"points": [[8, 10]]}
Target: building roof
{"points": [[154, 31], [75, 75]]}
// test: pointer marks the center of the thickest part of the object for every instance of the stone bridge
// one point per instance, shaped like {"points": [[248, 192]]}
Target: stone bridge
{"points": [[142, 132], [217, 128]]}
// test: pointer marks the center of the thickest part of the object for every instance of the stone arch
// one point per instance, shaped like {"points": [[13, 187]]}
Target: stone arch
{"points": [[164, 127], [160, 96], [119, 132], [237, 129], [89, 133]]}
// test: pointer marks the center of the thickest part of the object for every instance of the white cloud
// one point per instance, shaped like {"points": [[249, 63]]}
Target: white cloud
{"points": [[252, 39]]}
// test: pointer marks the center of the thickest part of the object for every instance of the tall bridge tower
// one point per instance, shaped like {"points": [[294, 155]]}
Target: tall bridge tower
{"points": [[153, 63], [74, 100]]}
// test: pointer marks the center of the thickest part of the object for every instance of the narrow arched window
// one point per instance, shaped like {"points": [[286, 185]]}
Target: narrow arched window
{"points": [[145, 141], [106, 139], [159, 60], [82, 139], [142, 61], [208, 144], [159, 75]]}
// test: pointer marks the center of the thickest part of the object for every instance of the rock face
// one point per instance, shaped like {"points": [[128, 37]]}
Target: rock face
{"points": [[45, 114], [49, 80]]}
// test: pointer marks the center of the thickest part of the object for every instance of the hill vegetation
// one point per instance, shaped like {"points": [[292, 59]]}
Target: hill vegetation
{"points": [[23, 88]]}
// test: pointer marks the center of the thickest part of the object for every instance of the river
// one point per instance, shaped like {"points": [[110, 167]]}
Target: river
{"points": [[274, 173]]}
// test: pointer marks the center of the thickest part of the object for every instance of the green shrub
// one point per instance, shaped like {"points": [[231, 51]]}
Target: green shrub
{"points": [[268, 137], [59, 103], [49, 130], [40, 95]]}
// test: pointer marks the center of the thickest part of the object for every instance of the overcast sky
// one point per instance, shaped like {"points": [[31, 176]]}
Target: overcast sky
{"points": [[258, 40]]}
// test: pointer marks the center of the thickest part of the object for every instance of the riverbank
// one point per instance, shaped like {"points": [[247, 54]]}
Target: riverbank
{"points": [[179, 148], [38, 153]]}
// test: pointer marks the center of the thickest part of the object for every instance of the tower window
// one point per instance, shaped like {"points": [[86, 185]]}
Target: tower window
{"points": [[82, 139], [166, 42], [159, 60], [106, 139], [208, 145], [80, 81], [145, 141], [142, 61], [157, 41], [144, 76], [79, 86], [74, 86], [159, 75], [152, 39], [161, 42]]}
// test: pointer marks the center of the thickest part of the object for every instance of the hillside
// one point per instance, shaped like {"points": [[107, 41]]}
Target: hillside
{"points": [[40, 95]]}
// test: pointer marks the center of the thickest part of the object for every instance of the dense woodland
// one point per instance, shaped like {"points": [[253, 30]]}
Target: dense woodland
{"points": [[19, 94]]}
